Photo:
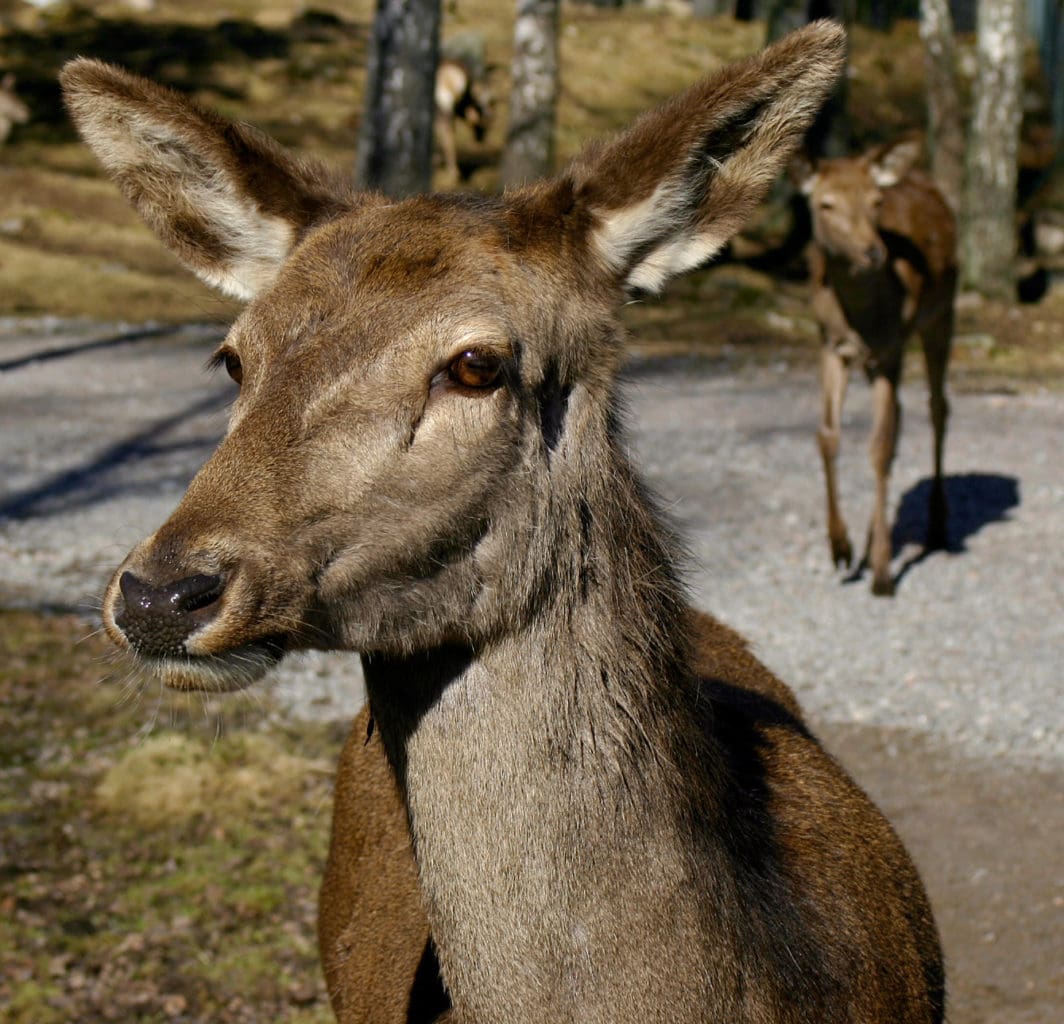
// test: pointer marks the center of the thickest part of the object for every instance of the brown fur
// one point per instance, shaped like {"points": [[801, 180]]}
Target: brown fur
{"points": [[372, 928], [617, 814], [883, 268]]}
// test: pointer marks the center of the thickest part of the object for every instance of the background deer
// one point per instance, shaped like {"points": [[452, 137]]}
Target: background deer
{"points": [[12, 110], [461, 95], [883, 266], [616, 812]]}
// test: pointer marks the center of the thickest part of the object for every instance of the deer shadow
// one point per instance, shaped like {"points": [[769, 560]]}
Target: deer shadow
{"points": [[975, 500]]}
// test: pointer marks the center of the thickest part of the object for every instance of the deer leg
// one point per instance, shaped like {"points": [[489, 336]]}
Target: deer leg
{"points": [[937, 342], [448, 147], [885, 420], [834, 374]]}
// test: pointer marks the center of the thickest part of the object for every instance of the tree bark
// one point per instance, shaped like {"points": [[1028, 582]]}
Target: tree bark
{"points": [[712, 8], [395, 136], [993, 149], [945, 129], [783, 16], [529, 152], [829, 135]]}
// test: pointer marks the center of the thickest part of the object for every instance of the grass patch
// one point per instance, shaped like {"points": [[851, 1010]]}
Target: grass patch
{"points": [[167, 876]]}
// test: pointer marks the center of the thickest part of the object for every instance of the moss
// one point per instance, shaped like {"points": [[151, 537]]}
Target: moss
{"points": [[110, 908]]}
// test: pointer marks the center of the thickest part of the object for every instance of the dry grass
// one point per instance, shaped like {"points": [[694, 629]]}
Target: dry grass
{"points": [[164, 877], [173, 779]]}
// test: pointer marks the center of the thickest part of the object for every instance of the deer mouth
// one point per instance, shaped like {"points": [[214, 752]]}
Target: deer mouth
{"points": [[183, 634], [219, 672]]}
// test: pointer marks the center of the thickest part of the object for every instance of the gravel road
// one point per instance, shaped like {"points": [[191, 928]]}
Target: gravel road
{"points": [[103, 428], [944, 702]]}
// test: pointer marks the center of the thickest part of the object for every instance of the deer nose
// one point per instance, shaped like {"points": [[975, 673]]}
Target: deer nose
{"points": [[157, 620], [875, 255]]}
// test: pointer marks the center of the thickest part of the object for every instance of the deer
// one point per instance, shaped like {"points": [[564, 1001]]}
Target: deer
{"points": [[615, 812], [883, 267], [12, 110], [460, 96]]}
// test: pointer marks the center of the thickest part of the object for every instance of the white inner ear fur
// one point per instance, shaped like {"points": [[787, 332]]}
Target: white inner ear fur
{"points": [[895, 163], [659, 221], [885, 177], [257, 242]]}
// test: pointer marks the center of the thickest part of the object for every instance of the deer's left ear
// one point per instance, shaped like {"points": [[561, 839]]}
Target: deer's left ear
{"points": [[667, 194]]}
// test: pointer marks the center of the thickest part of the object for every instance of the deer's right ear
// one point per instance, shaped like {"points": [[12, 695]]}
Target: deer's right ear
{"points": [[667, 194], [227, 200], [801, 172]]}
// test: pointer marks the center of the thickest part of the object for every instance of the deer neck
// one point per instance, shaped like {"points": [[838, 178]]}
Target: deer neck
{"points": [[596, 637], [522, 761]]}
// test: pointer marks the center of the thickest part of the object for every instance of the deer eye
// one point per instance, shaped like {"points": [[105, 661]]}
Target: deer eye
{"points": [[233, 366], [475, 369], [231, 361]]}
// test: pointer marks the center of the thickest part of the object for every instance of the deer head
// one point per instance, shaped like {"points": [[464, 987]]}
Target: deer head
{"points": [[422, 384], [845, 198]]}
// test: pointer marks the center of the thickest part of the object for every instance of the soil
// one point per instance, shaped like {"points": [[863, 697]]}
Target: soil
{"points": [[986, 835]]}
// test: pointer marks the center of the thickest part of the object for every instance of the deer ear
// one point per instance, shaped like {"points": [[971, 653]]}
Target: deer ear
{"points": [[667, 194], [894, 161], [228, 201], [801, 172]]}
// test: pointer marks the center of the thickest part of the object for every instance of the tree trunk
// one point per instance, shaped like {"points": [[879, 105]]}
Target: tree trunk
{"points": [[945, 130], [395, 137], [829, 135], [1048, 28], [529, 152], [783, 16], [751, 10], [993, 149], [712, 8]]}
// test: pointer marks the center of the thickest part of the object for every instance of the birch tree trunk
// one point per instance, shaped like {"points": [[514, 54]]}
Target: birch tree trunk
{"points": [[989, 230], [945, 130], [529, 152], [395, 137]]}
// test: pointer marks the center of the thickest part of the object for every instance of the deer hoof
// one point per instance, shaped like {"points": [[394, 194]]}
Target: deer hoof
{"points": [[883, 586], [841, 552]]}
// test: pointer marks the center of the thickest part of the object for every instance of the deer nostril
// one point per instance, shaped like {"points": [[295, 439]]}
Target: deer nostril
{"points": [[195, 592], [185, 595], [158, 619]]}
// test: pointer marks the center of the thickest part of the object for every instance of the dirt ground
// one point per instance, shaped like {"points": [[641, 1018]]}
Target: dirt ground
{"points": [[987, 836]]}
